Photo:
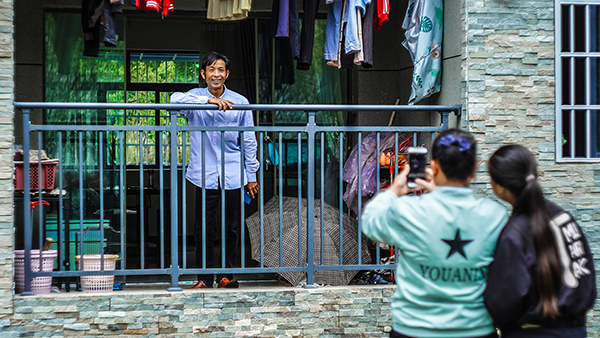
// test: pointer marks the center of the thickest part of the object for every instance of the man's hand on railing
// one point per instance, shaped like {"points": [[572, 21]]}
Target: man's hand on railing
{"points": [[223, 104]]}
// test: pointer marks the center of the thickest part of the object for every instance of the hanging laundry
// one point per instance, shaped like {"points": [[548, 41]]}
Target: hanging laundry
{"points": [[424, 26], [284, 27], [307, 37], [346, 60], [333, 53], [383, 11], [161, 6], [228, 10], [367, 34], [355, 8], [285, 23], [284, 63], [332, 31], [342, 59], [95, 13], [283, 18], [294, 29], [359, 56], [139, 4], [111, 9], [91, 13]]}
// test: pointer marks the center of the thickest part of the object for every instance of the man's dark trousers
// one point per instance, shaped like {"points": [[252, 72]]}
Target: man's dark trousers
{"points": [[232, 230]]}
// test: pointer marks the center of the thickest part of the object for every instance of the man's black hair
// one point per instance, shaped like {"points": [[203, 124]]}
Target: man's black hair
{"points": [[213, 57]]}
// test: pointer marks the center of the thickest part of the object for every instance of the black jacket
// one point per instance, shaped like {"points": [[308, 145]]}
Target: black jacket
{"points": [[511, 294]]}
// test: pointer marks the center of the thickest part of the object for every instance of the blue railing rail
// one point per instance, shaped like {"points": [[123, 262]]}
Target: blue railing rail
{"points": [[178, 265]]}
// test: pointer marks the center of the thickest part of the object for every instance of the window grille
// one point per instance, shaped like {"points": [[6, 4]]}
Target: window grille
{"points": [[146, 70], [577, 56], [164, 67]]}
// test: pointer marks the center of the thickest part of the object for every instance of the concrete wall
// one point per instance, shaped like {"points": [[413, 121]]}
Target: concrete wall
{"points": [[6, 159]]}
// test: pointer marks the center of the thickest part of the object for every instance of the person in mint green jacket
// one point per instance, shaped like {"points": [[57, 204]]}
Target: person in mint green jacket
{"points": [[445, 239]]}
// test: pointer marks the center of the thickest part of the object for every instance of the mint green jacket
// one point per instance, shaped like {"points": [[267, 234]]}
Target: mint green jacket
{"points": [[445, 240]]}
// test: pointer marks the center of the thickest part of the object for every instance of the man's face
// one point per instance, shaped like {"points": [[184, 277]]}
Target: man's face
{"points": [[215, 75]]}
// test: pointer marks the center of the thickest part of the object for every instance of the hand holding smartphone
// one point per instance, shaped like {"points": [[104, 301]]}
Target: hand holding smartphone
{"points": [[417, 160]]}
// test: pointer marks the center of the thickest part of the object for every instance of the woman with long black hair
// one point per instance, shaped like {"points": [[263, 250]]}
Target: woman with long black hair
{"points": [[542, 280]]}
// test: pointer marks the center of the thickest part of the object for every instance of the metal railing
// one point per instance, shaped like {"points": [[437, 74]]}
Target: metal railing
{"points": [[307, 170]]}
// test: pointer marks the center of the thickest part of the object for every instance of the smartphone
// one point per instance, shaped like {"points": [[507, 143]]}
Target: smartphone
{"points": [[417, 159]]}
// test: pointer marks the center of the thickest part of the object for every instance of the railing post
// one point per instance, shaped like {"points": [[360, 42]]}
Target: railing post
{"points": [[26, 202], [174, 223], [444, 115], [310, 196]]}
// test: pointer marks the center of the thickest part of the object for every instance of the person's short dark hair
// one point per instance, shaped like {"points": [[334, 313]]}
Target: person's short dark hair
{"points": [[213, 57], [456, 153]]}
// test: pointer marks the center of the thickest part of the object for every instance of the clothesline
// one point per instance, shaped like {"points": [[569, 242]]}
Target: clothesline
{"points": [[348, 33]]}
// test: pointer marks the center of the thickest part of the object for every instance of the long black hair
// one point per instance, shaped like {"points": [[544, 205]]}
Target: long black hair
{"points": [[456, 153], [514, 168]]}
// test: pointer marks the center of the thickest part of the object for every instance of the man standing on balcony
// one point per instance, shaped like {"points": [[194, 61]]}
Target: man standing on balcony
{"points": [[219, 173]]}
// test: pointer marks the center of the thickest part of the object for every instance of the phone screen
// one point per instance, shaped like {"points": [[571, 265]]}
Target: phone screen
{"points": [[417, 162]]}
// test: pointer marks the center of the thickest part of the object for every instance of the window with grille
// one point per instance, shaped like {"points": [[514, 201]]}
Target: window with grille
{"points": [[151, 77], [577, 44]]}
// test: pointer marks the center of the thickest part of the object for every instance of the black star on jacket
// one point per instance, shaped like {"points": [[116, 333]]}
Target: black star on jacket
{"points": [[457, 245]]}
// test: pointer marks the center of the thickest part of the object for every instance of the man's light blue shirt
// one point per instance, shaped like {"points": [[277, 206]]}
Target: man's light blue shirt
{"points": [[211, 152]]}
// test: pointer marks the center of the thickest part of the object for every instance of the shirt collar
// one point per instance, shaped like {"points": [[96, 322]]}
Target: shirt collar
{"points": [[455, 191], [222, 95]]}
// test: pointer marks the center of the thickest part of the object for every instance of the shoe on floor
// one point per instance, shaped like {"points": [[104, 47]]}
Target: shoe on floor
{"points": [[227, 283], [201, 285]]}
